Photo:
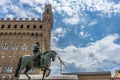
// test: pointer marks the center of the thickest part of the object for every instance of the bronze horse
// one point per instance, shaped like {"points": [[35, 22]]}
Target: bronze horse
{"points": [[27, 62]]}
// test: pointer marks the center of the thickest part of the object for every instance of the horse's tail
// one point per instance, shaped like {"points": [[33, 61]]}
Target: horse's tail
{"points": [[18, 67]]}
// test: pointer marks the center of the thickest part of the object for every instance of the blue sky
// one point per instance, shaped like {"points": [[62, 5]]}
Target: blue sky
{"points": [[85, 32]]}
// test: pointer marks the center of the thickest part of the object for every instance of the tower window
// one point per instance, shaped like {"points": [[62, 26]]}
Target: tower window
{"points": [[5, 47], [9, 69], [47, 11], [24, 47]]}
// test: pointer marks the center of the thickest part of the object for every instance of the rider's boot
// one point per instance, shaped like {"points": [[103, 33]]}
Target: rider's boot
{"points": [[42, 63]]}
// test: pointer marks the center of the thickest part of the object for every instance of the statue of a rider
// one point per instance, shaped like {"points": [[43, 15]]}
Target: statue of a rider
{"points": [[37, 53]]}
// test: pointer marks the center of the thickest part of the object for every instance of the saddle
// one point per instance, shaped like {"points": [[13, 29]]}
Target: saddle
{"points": [[36, 62]]}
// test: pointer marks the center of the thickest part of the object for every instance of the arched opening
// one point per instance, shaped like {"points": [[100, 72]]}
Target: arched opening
{"points": [[2, 26], [21, 26], [28, 26], [15, 26], [9, 26], [34, 26]]}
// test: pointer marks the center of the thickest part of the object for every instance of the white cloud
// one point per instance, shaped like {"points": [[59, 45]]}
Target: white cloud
{"points": [[97, 56], [73, 20], [81, 33], [84, 34], [29, 2], [69, 8], [59, 32], [39, 9], [10, 16], [4, 2], [20, 12], [56, 35], [93, 22]]}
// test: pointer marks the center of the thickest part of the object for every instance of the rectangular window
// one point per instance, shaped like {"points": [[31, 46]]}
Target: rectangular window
{"points": [[24, 47], [32, 47], [9, 69], [0, 69]]}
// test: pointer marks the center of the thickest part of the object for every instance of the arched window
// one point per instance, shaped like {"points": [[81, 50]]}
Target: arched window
{"points": [[21, 26], [24, 47], [15, 26], [2, 26], [34, 26], [5, 47], [28, 26], [48, 10], [9, 69], [9, 26], [15, 47], [40, 26]]}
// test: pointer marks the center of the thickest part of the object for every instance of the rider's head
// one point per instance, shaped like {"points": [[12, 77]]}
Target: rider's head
{"points": [[37, 42]]}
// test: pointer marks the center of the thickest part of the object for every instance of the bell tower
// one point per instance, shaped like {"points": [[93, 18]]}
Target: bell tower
{"points": [[47, 15], [48, 19]]}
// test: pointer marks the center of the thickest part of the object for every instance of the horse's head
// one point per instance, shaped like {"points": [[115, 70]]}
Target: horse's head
{"points": [[53, 55]]}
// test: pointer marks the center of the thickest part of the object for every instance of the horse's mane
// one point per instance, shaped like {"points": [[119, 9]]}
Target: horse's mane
{"points": [[47, 52]]}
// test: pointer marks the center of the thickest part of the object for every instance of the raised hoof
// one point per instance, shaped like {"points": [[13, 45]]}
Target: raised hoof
{"points": [[48, 73]]}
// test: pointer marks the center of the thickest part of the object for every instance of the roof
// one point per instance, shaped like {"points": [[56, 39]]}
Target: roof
{"points": [[89, 73]]}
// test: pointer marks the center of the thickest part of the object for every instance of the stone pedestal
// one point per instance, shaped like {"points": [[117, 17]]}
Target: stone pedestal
{"points": [[59, 77]]}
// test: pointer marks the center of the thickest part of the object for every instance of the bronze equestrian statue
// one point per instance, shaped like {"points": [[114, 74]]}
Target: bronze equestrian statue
{"points": [[28, 62]]}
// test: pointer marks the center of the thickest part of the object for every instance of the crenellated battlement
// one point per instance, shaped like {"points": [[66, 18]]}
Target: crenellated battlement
{"points": [[48, 5], [20, 19]]}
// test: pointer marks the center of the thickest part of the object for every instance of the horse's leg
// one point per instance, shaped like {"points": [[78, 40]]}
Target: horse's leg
{"points": [[17, 70], [48, 73], [25, 72], [44, 74]]}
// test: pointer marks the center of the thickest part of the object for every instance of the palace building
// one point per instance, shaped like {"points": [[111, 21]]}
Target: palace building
{"points": [[17, 37]]}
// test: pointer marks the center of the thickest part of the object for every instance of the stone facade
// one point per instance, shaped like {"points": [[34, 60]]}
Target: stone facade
{"points": [[17, 37]]}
